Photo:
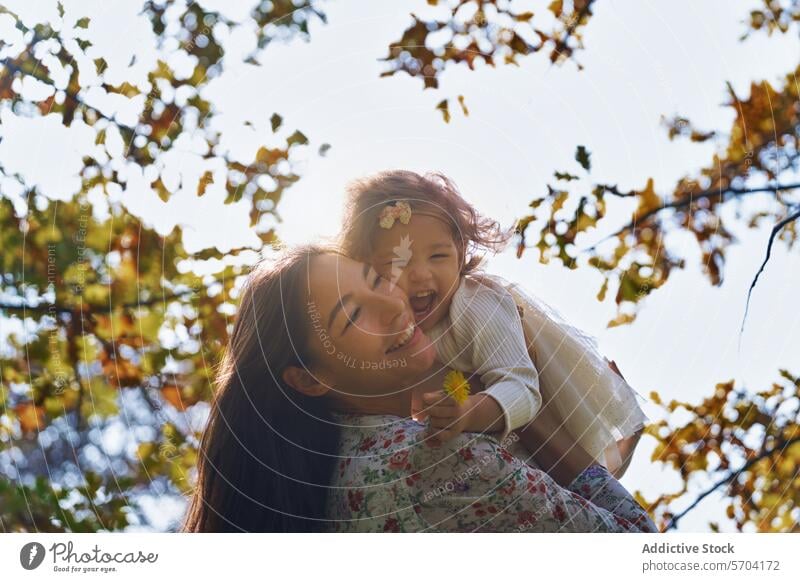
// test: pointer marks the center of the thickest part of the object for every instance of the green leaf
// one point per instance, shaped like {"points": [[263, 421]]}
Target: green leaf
{"points": [[100, 65], [297, 138], [566, 176], [276, 121], [582, 157], [101, 400]]}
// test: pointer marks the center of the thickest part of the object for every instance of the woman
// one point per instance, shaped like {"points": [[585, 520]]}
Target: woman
{"points": [[310, 428]]}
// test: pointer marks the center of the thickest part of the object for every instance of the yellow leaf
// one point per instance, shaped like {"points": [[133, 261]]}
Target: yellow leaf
{"points": [[144, 450], [463, 106], [444, 108], [621, 319], [648, 200], [205, 180], [793, 452], [558, 203], [601, 295], [96, 294]]}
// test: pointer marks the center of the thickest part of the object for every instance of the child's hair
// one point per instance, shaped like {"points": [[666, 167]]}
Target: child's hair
{"points": [[432, 193]]}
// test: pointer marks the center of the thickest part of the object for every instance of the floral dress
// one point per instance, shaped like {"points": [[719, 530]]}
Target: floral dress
{"points": [[388, 480]]}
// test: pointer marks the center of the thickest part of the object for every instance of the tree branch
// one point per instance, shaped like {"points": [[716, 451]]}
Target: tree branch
{"points": [[614, 191], [79, 421], [688, 200], [730, 477], [64, 309], [67, 93], [152, 404]]}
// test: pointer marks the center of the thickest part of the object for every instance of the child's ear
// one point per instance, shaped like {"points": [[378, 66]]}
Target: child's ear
{"points": [[304, 381]]}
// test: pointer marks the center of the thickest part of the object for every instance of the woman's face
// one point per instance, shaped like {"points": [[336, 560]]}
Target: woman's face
{"points": [[363, 338]]}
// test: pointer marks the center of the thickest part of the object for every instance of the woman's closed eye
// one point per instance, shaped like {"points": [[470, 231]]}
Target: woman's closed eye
{"points": [[440, 256], [378, 283], [351, 319]]}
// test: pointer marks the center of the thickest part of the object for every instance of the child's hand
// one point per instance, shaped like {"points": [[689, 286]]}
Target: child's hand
{"points": [[447, 418]]}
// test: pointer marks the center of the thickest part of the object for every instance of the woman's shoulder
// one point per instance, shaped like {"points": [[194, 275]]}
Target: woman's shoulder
{"points": [[375, 432], [372, 478], [386, 473], [376, 449], [395, 447]]}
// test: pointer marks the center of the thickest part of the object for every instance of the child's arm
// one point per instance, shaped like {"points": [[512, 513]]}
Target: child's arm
{"points": [[448, 419], [486, 325], [489, 323]]}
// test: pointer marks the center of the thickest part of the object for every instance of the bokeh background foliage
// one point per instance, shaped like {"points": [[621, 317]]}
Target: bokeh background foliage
{"points": [[105, 380]]}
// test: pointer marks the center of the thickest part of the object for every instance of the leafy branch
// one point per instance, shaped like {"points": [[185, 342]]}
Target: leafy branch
{"points": [[673, 522]]}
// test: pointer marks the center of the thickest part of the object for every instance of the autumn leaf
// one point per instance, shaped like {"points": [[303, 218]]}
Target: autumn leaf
{"points": [[621, 319], [444, 108], [275, 121], [648, 200], [31, 417], [205, 180]]}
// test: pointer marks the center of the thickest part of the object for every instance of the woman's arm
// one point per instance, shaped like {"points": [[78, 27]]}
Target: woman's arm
{"points": [[554, 448], [626, 446]]}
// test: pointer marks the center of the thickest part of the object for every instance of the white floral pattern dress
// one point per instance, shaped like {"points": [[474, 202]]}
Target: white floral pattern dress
{"points": [[388, 480]]}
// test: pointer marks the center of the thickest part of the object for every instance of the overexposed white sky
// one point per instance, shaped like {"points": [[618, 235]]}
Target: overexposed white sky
{"points": [[642, 60]]}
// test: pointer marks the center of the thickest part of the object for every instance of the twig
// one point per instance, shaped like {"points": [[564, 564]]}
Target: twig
{"points": [[775, 230]]}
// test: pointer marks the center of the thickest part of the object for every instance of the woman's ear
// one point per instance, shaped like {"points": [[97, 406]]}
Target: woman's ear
{"points": [[304, 381]]}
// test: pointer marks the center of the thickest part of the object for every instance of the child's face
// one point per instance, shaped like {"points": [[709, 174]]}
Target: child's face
{"points": [[422, 259]]}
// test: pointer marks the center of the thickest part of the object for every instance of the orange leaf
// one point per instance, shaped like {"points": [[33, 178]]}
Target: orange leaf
{"points": [[172, 394], [31, 417]]}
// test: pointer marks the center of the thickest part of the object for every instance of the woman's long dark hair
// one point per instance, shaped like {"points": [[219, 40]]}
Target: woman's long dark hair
{"points": [[266, 456]]}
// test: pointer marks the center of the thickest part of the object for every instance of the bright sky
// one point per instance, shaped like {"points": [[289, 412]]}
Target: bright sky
{"points": [[643, 60]]}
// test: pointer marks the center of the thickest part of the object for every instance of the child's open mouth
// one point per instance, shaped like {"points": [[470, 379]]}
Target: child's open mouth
{"points": [[422, 302]]}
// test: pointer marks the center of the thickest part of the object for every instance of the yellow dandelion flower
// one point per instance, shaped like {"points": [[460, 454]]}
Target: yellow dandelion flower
{"points": [[456, 385]]}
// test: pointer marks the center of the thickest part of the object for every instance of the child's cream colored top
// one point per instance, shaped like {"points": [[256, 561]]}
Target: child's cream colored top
{"points": [[483, 334], [590, 400]]}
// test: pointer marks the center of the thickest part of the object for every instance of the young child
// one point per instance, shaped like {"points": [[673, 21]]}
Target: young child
{"points": [[419, 233]]}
